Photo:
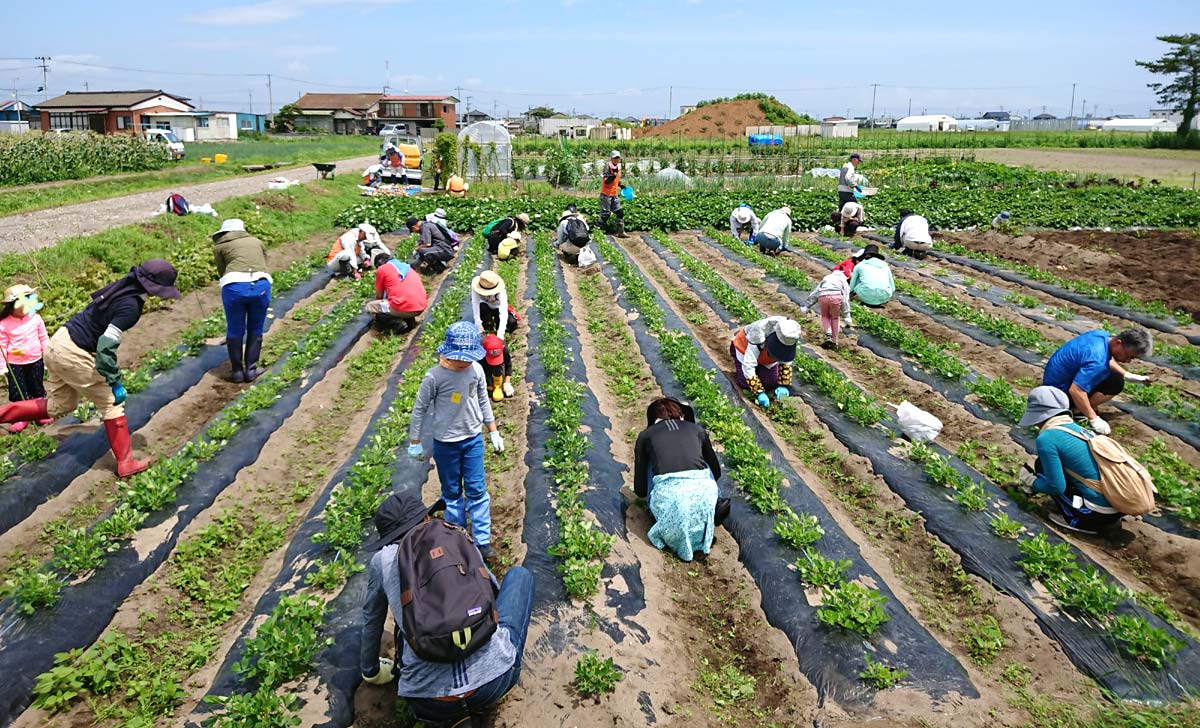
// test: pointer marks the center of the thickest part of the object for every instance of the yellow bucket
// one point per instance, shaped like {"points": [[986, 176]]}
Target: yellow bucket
{"points": [[205, 160], [220, 158]]}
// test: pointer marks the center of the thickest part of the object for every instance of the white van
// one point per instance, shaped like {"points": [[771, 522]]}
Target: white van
{"points": [[166, 136]]}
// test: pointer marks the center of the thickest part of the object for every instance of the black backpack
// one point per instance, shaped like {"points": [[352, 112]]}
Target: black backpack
{"points": [[577, 231], [448, 602]]}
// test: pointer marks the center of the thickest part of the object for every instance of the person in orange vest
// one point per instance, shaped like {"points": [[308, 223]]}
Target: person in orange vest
{"points": [[763, 353], [354, 250], [457, 186], [610, 194]]}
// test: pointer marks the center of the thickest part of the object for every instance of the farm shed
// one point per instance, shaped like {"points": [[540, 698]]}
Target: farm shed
{"points": [[839, 128], [485, 150], [1146, 125], [983, 124], [927, 122]]}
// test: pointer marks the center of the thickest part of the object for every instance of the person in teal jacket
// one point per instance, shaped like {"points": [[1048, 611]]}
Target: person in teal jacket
{"points": [[872, 279], [1063, 458]]}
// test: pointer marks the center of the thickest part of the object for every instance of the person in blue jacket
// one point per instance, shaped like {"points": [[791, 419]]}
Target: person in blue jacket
{"points": [[1064, 459], [1088, 369]]}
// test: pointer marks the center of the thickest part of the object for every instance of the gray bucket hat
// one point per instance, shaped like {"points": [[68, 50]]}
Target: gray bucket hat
{"points": [[1044, 403]]}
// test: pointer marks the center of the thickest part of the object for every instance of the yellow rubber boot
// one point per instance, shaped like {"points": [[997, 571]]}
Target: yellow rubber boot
{"points": [[497, 389]]}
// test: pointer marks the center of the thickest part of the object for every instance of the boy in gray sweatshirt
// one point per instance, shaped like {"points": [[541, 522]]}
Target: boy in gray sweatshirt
{"points": [[452, 407]]}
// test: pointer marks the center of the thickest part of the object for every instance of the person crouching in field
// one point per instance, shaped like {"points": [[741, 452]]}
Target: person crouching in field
{"points": [[676, 470]]}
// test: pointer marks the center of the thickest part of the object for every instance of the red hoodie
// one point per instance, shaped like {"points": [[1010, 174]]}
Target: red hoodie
{"points": [[846, 266]]}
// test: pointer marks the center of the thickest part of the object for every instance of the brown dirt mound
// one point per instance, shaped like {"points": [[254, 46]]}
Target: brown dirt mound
{"points": [[726, 119], [1150, 264]]}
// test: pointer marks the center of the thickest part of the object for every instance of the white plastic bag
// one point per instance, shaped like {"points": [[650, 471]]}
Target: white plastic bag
{"points": [[586, 256], [917, 424]]}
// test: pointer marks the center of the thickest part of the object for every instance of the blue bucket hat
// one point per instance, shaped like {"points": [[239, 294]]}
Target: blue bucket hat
{"points": [[462, 343]]}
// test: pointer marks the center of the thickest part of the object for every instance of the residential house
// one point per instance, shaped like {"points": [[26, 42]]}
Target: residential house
{"points": [[203, 126], [997, 116], [471, 117], [107, 112], [15, 117], [415, 113], [338, 113]]}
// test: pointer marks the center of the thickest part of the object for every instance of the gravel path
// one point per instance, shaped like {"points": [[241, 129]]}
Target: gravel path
{"points": [[43, 228]]}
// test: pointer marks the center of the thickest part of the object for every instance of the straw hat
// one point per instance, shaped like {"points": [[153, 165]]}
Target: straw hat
{"points": [[488, 283]]}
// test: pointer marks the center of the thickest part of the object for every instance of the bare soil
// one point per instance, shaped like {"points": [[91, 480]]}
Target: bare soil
{"points": [[1169, 167], [1149, 264], [728, 119]]}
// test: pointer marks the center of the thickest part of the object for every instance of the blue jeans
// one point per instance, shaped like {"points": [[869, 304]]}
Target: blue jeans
{"points": [[460, 469], [246, 307], [514, 604]]}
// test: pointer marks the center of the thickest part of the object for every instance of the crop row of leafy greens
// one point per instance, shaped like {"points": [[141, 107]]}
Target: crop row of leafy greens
{"points": [[846, 604], [285, 652]]}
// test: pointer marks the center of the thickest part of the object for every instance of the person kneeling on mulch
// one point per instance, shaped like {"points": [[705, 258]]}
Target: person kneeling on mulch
{"points": [[459, 634], [676, 469], [763, 353], [400, 295], [1068, 470]]}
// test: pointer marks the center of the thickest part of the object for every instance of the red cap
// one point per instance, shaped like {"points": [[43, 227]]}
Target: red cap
{"points": [[494, 346]]}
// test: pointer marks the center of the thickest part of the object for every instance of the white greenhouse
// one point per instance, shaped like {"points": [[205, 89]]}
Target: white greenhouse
{"points": [[1138, 125], [927, 122], [485, 150]]}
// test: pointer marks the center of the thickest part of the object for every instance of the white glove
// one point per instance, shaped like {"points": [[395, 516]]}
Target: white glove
{"points": [[508, 389], [385, 674], [804, 310], [1136, 378], [848, 322], [1027, 478], [497, 441], [1100, 426]]}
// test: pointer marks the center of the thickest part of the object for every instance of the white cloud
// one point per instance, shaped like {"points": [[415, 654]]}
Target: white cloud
{"points": [[273, 11], [257, 14]]}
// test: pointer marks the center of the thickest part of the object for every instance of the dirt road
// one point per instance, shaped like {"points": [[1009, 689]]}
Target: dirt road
{"points": [[1168, 166], [43, 228]]}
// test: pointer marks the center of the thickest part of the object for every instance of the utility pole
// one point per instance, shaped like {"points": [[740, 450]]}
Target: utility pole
{"points": [[1072, 114], [270, 97], [874, 88], [85, 87], [45, 82], [387, 76], [910, 107], [1083, 109], [670, 100], [251, 94]]}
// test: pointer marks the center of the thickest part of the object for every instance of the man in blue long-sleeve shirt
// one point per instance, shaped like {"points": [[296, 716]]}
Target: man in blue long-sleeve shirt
{"points": [[1064, 461]]}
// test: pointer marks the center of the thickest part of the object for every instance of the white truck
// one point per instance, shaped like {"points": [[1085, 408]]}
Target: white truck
{"points": [[174, 147]]}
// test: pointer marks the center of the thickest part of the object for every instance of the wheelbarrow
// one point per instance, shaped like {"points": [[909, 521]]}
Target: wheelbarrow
{"points": [[324, 171]]}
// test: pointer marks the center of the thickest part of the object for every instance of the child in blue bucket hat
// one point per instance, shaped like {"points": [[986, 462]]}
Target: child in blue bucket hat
{"points": [[452, 407]]}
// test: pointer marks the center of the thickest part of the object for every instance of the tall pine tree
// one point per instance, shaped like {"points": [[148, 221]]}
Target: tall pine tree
{"points": [[1182, 62]]}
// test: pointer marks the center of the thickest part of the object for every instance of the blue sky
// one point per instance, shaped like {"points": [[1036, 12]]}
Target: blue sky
{"points": [[621, 57]]}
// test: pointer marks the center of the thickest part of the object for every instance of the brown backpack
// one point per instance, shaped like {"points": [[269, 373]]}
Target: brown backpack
{"points": [[448, 602], [1124, 482]]}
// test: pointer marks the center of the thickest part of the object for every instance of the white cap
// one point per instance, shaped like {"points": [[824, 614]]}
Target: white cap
{"points": [[786, 210], [788, 332], [615, 155], [232, 224], [742, 215]]}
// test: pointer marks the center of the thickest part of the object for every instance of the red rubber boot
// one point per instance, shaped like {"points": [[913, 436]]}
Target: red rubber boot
{"points": [[24, 411], [118, 438]]}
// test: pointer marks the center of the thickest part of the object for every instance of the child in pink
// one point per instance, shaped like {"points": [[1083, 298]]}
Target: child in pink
{"points": [[23, 340], [833, 295]]}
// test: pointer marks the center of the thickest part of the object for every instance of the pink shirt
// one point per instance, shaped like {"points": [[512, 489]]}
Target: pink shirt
{"points": [[27, 335]]}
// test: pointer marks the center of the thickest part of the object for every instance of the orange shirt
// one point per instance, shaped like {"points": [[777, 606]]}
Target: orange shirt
{"points": [[740, 342]]}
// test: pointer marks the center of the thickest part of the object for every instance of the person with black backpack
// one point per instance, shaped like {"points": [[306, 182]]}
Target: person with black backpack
{"points": [[460, 635], [573, 234]]}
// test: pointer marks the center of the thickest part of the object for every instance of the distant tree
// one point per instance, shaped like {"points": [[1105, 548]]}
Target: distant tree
{"points": [[1183, 63], [286, 117], [439, 124], [542, 112]]}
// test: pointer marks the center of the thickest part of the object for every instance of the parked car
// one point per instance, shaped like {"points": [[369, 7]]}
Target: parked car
{"points": [[391, 129], [167, 137]]}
